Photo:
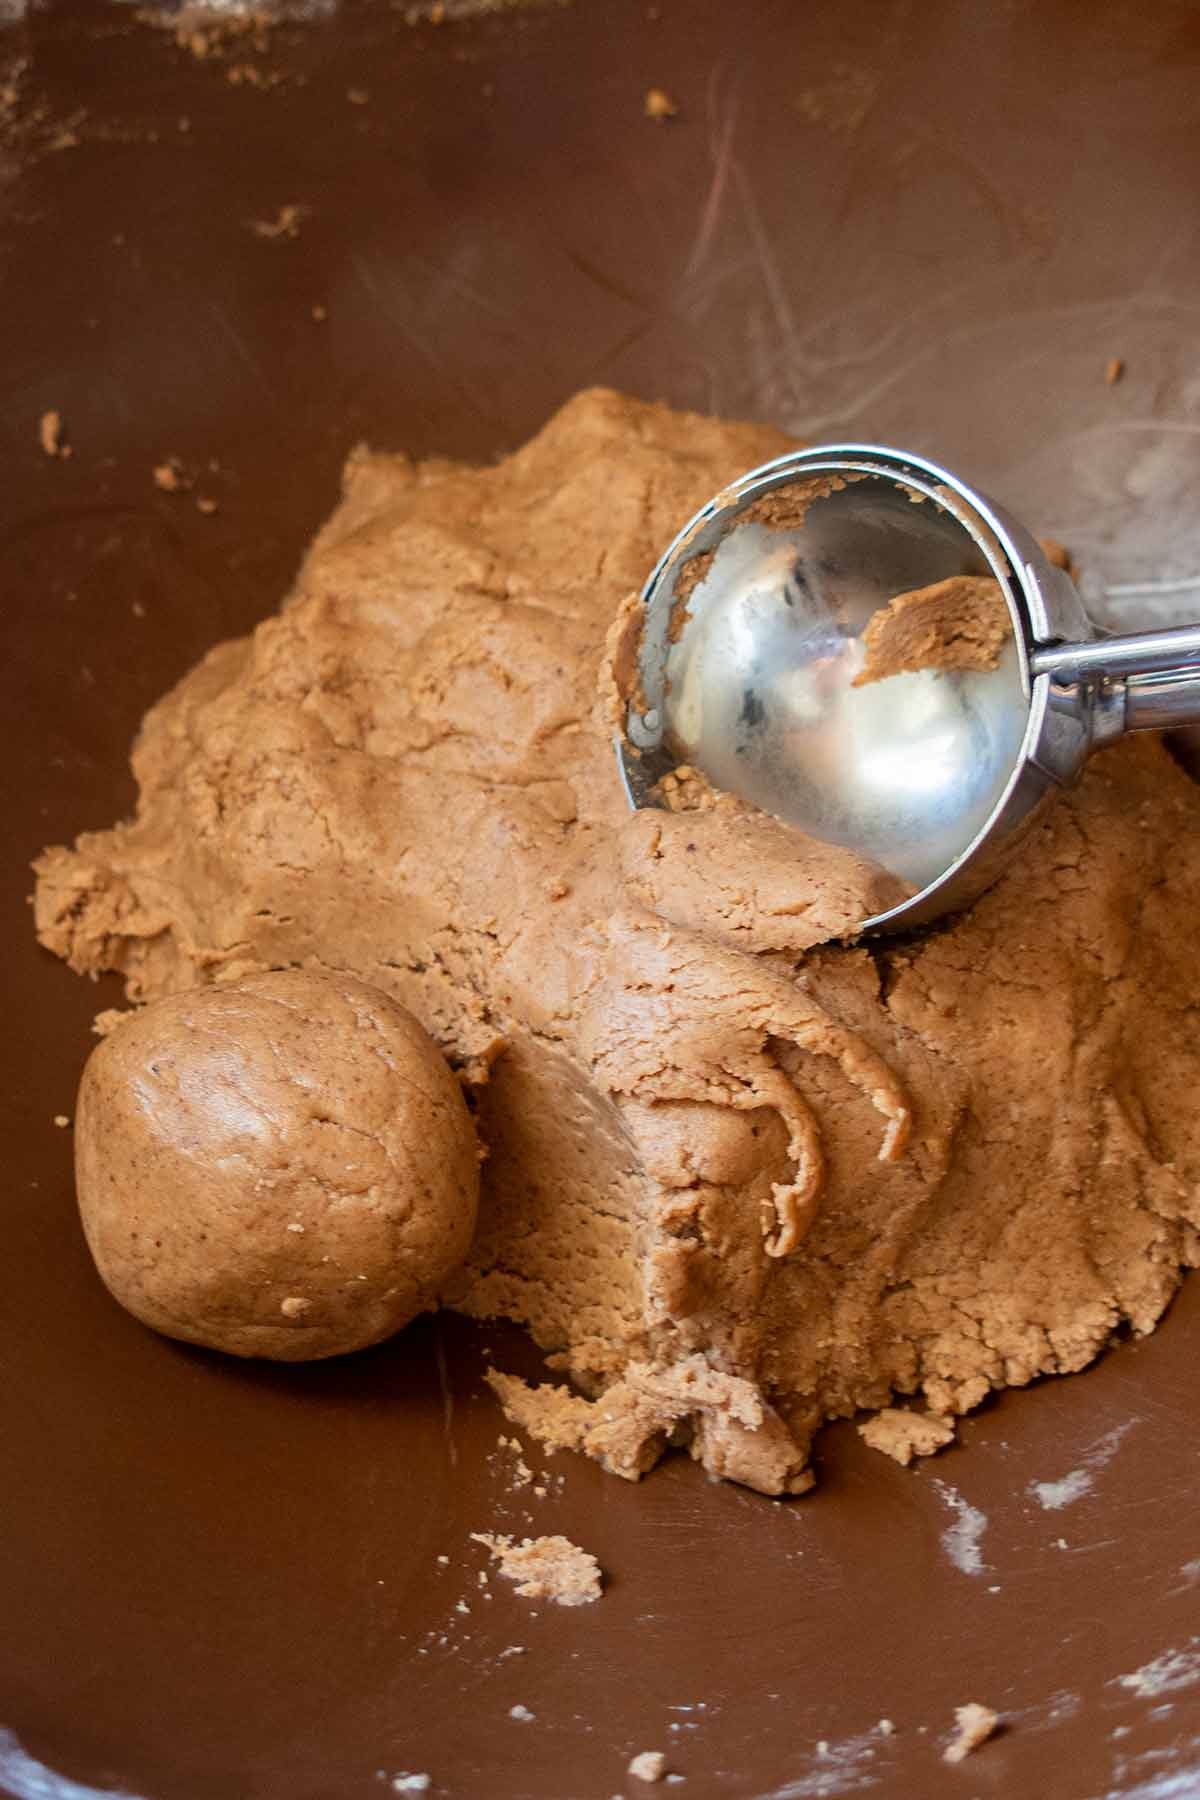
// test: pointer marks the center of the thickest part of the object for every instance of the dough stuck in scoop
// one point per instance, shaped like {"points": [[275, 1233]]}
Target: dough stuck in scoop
{"points": [[960, 623], [282, 1167]]}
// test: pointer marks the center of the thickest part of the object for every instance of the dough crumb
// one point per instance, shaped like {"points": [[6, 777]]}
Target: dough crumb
{"points": [[648, 1765], [412, 1784], [204, 34], [1114, 368], [285, 224], [250, 75], [659, 105], [521, 1712], [974, 1724], [902, 1435], [886, 1728], [169, 476], [62, 1121], [205, 504], [546, 1568], [52, 434]]}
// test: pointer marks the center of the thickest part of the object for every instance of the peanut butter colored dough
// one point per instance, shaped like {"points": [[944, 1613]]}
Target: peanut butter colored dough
{"points": [[960, 623], [546, 1568], [679, 1066], [902, 1434], [280, 1167], [973, 1725]]}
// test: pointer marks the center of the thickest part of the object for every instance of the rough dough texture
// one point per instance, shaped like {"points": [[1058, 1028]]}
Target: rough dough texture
{"points": [[546, 1568], [902, 1435], [280, 1167], [678, 1068], [960, 623], [974, 1725]]}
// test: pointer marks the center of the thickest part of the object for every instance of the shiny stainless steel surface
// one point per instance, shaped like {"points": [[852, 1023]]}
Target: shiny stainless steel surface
{"points": [[752, 637], [1150, 680]]}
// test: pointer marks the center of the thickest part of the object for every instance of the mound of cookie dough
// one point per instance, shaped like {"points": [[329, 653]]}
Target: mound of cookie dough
{"points": [[743, 1175], [281, 1166]]}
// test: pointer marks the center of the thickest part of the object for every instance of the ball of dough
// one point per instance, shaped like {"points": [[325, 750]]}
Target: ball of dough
{"points": [[283, 1167]]}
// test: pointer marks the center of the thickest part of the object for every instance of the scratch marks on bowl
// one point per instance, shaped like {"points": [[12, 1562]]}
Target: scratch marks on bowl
{"points": [[1168, 1673], [961, 1539], [22, 1776], [1054, 1495]]}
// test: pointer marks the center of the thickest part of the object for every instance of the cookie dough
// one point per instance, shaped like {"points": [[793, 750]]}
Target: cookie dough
{"points": [[960, 623], [973, 1725], [682, 1069], [283, 1166], [546, 1568], [902, 1434]]}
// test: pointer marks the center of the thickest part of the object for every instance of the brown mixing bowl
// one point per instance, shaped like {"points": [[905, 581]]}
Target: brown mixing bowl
{"points": [[935, 224]]}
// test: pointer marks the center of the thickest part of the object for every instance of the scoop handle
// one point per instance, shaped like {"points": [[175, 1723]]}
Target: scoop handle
{"points": [[1157, 672]]}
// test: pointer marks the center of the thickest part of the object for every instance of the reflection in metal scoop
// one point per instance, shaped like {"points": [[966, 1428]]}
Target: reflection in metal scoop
{"points": [[752, 666]]}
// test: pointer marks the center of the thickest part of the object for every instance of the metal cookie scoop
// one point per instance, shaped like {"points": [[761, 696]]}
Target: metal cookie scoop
{"points": [[752, 663]]}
